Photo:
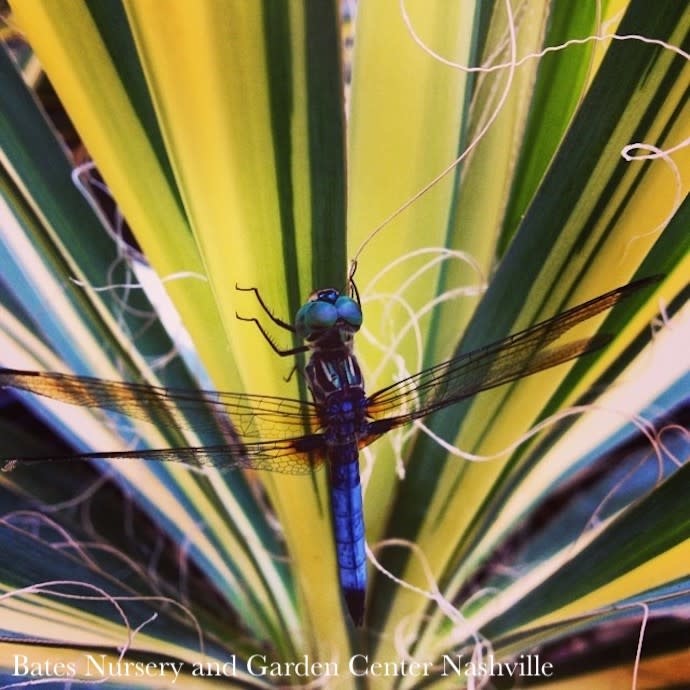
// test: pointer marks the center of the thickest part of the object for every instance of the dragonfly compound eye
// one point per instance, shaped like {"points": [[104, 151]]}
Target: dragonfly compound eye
{"points": [[327, 311], [315, 316], [349, 311]]}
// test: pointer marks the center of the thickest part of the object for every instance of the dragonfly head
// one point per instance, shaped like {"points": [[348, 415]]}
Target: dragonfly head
{"points": [[328, 317]]}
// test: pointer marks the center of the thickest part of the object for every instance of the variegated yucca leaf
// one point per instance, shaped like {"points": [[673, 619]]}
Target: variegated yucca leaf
{"points": [[227, 139]]}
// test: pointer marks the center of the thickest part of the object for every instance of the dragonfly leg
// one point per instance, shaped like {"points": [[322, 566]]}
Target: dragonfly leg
{"points": [[269, 340], [278, 322], [295, 370]]}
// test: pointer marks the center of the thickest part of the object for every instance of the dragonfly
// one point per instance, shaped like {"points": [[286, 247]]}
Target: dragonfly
{"points": [[268, 433]]}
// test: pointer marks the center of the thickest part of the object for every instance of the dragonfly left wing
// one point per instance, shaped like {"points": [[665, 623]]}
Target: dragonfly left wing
{"points": [[251, 417], [290, 456]]}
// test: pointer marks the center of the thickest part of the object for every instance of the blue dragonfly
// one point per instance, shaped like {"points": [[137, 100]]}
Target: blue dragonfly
{"points": [[268, 432]]}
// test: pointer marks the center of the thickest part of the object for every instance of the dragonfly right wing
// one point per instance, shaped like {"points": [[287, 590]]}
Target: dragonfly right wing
{"points": [[519, 355]]}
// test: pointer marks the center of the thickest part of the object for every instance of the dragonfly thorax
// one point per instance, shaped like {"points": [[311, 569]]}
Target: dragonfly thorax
{"points": [[337, 387], [328, 321]]}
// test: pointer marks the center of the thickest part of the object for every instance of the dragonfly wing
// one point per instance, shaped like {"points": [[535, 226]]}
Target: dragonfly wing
{"points": [[252, 417], [290, 456], [507, 360]]}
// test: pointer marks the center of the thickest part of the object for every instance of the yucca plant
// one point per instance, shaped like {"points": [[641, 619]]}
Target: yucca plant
{"points": [[542, 523]]}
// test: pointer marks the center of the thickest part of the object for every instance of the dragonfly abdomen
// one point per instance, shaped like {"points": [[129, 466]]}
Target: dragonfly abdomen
{"points": [[348, 526], [337, 386]]}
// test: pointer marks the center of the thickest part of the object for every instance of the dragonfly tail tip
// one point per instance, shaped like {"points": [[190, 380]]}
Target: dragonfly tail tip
{"points": [[354, 598]]}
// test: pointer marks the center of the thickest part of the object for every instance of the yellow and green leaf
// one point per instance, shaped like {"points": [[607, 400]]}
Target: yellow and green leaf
{"points": [[479, 202]]}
